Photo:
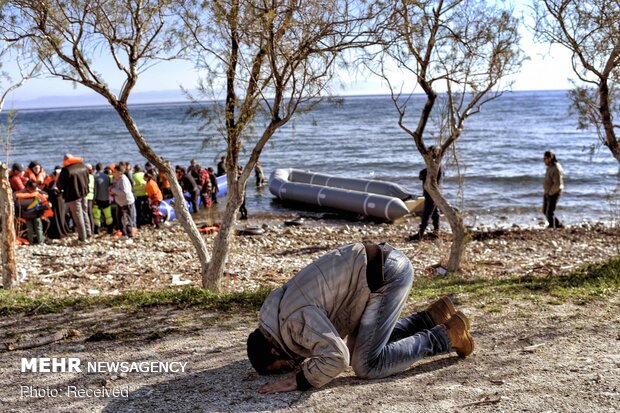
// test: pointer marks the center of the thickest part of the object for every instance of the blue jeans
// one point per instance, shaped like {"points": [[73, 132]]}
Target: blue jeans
{"points": [[385, 345]]}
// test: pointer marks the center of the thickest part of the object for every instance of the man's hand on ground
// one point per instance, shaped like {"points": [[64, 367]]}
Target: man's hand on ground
{"points": [[286, 383]]}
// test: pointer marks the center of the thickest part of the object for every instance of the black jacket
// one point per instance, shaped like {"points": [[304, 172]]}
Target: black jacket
{"points": [[73, 181]]}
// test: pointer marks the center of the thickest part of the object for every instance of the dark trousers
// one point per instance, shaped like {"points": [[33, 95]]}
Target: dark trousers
{"points": [[430, 212], [243, 211], [142, 210], [125, 220], [194, 200], [550, 202], [34, 228]]}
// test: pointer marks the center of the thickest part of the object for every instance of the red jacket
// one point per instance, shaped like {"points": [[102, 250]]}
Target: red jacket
{"points": [[17, 182]]}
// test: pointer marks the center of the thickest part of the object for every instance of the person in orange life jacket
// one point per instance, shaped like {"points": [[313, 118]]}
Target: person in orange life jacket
{"points": [[343, 309], [17, 179], [154, 197], [164, 185], [123, 196], [35, 172], [201, 176], [73, 182], [31, 204], [205, 189], [58, 228], [189, 185]]}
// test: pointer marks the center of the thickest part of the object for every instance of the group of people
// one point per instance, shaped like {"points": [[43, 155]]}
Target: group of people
{"points": [[553, 186], [117, 199]]}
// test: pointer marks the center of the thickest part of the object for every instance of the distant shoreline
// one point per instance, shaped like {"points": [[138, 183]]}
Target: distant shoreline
{"points": [[93, 101]]}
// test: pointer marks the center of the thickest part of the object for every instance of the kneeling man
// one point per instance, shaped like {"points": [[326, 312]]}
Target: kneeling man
{"points": [[357, 292]]}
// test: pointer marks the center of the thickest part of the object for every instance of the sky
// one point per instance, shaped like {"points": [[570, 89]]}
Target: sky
{"points": [[547, 68]]}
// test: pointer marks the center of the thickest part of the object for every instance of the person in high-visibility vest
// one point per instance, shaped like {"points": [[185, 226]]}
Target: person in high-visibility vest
{"points": [[102, 210]]}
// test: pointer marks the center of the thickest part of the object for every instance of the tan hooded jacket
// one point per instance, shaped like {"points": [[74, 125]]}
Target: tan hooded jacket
{"points": [[315, 310], [554, 179]]}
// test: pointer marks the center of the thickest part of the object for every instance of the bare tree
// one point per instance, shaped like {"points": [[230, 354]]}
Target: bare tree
{"points": [[590, 30], [75, 40], [458, 52], [7, 208], [270, 59]]}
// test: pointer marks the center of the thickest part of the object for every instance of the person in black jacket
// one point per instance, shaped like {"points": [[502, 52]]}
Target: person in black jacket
{"points": [[188, 183], [73, 184], [430, 209]]}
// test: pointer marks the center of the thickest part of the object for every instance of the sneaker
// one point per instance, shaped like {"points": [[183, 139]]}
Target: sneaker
{"points": [[460, 340], [441, 310]]}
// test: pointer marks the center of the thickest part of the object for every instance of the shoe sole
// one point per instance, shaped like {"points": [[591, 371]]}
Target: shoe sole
{"points": [[470, 349], [462, 353]]}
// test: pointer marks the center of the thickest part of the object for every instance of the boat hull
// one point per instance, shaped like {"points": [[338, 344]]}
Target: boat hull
{"points": [[373, 198]]}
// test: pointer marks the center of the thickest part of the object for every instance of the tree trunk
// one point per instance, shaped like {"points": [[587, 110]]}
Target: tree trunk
{"points": [[221, 246], [454, 218], [7, 216], [604, 109], [180, 207]]}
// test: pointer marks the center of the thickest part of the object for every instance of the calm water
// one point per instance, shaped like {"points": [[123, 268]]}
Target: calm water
{"points": [[499, 153]]}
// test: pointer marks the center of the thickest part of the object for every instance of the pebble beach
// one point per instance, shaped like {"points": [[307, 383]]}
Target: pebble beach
{"points": [[164, 258]]}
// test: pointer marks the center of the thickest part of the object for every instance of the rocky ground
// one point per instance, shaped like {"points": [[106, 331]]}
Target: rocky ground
{"points": [[531, 356], [161, 258]]}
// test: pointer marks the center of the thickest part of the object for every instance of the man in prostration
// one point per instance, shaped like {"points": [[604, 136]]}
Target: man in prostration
{"points": [[356, 292]]}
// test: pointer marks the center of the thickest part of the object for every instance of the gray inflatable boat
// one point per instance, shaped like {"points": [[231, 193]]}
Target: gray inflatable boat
{"points": [[373, 198]]}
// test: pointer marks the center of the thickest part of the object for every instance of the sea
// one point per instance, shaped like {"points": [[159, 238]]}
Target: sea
{"points": [[494, 174]]}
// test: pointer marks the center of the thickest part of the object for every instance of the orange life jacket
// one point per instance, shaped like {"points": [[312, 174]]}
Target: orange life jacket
{"points": [[38, 178], [71, 161]]}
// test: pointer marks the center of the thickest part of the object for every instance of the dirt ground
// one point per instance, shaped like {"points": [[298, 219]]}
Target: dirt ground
{"points": [[531, 355]]}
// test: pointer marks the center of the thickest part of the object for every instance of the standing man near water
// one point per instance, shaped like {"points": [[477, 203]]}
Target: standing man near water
{"points": [[221, 166], [356, 291], [553, 186], [73, 182], [430, 209], [260, 175]]}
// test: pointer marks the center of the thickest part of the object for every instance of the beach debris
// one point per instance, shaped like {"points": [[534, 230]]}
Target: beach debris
{"points": [[251, 231], [22, 276], [42, 341], [485, 401], [532, 349], [176, 280], [294, 222], [210, 229]]}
